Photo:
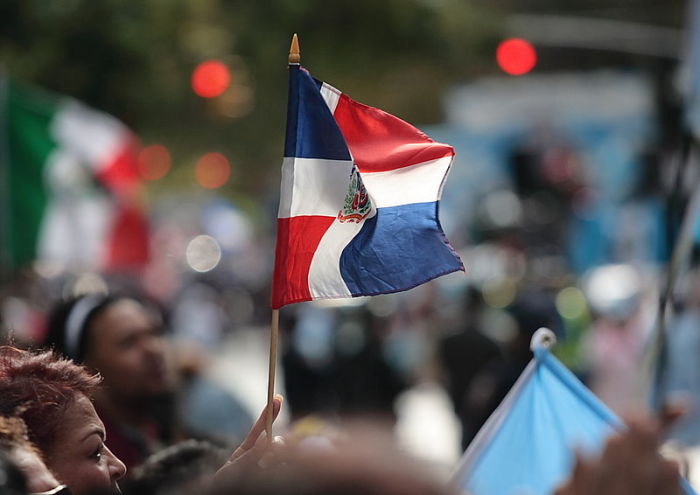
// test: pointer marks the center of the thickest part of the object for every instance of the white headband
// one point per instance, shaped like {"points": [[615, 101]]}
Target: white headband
{"points": [[75, 323]]}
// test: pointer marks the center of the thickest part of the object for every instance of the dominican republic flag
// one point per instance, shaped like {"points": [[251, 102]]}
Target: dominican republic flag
{"points": [[527, 445], [69, 188], [359, 200]]}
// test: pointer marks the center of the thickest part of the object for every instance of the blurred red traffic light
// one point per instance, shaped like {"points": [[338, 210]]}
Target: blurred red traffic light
{"points": [[210, 79], [516, 56]]}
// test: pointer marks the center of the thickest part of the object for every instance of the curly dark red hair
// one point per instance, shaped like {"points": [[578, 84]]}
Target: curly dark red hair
{"points": [[37, 387]]}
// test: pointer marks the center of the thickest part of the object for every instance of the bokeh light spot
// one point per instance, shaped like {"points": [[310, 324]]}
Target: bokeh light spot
{"points": [[499, 293], [212, 170], [571, 303], [614, 290], [89, 283], [516, 56], [203, 253], [210, 79], [154, 162]]}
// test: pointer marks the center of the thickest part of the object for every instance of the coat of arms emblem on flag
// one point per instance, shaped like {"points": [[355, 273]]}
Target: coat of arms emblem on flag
{"points": [[357, 204]]}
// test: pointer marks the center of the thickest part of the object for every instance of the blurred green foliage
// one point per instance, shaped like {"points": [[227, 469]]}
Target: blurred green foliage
{"points": [[134, 59]]}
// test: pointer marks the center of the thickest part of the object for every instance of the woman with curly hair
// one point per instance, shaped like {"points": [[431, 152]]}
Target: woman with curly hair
{"points": [[53, 397]]}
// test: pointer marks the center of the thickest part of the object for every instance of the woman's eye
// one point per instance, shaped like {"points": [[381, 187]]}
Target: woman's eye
{"points": [[97, 455]]}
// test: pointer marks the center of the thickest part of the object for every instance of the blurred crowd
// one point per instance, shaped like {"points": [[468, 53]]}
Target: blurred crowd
{"points": [[565, 218], [132, 349], [125, 385], [110, 408]]}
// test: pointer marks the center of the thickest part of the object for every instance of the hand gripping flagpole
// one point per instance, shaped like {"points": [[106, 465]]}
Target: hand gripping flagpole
{"points": [[294, 58]]}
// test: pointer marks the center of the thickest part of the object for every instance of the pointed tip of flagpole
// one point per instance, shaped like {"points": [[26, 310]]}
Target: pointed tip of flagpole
{"points": [[294, 53]]}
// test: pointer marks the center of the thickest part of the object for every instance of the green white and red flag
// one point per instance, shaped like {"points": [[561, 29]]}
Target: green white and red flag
{"points": [[69, 187]]}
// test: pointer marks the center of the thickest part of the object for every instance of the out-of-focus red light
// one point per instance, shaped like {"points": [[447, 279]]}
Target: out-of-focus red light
{"points": [[210, 79], [154, 162], [212, 170], [516, 56]]}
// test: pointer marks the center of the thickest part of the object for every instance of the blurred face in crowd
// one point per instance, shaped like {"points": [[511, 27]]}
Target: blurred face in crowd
{"points": [[79, 457], [127, 348]]}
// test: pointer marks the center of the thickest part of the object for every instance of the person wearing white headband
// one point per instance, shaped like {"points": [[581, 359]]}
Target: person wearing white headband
{"points": [[120, 337]]}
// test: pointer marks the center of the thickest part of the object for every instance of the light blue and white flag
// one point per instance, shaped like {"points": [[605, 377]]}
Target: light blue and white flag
{"points": [[527, 445]]}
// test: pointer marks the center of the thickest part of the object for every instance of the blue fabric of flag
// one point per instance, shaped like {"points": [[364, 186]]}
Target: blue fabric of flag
{"points": [[314, 133], [389, 250], [528, 444]]}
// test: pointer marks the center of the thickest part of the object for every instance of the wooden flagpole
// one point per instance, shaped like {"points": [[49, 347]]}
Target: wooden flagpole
{"points": [[274, 330], [294, 58]]}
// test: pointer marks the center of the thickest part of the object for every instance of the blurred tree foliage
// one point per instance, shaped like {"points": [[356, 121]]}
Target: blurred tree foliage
{"points": [[134, 59]]}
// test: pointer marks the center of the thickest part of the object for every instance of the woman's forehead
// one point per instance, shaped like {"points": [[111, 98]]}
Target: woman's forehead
{"points": [[80, 419], [125, 312]]}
